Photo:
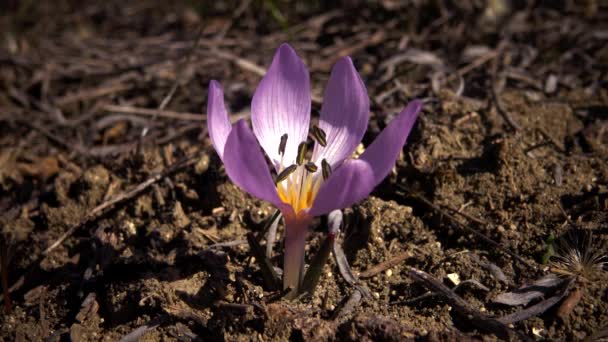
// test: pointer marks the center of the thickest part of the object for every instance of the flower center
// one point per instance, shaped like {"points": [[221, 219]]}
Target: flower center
{"points": [[299, 183], [300, 188]]}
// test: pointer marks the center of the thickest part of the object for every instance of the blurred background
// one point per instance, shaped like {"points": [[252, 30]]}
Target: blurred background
{"points": [[99, 97]]}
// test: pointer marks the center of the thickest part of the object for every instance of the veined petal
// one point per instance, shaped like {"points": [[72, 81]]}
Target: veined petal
{"points": [[281, 105], [218, 123], [246, 166], [355, 179], [344, 114]]}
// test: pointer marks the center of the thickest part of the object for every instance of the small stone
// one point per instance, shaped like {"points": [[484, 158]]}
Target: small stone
{"points": [[129, 228], [218, 210], [329, 274], [376, 295], [500, 228], [588, 187], [202, 165], [331, 307], [512, 226], [537, 331], [454, 278], [389, 273]]}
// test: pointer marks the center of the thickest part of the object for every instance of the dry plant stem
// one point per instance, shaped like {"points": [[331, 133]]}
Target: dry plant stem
{"points": [[154, 112], [501, 110], [381, 267], [90, 94], [481, 60], [99, 210], [237, 13], [480, 320], [494, 92], [535, 309]]}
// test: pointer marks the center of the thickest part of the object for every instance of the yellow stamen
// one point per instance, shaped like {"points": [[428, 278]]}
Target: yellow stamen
{"points": [[299, 189]]}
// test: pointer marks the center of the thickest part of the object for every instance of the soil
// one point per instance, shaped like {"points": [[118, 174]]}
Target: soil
{"points": [[512, 142]]}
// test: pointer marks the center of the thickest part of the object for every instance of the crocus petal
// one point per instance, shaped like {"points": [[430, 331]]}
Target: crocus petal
{"points": [[246, 166], [218, 123], [355, 179], [344, 114], [281, 105]]}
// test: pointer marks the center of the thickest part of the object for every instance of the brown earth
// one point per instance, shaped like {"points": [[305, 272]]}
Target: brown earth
{"points": [[172, 262]]}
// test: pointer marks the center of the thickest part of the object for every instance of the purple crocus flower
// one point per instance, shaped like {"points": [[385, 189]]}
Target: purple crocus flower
{"points": [[280, 115]]}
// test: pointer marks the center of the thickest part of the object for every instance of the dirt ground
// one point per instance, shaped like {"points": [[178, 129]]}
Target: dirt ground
{"points": [[119, 222]]}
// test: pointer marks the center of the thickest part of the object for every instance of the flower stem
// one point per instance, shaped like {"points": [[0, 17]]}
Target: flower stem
{"points": [[296, 230]]}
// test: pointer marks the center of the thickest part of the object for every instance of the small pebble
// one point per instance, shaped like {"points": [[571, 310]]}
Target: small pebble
{"points": [[537, 331], [218, 210], [376, 295], [454, 278], [512, 226], [389, 273], [202, 165]]}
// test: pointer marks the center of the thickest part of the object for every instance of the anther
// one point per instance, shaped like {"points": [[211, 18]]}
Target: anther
{"points": [[285, 173], [301, 153], [326, 168], [319, 135], [311, 167], [283, 144]]}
